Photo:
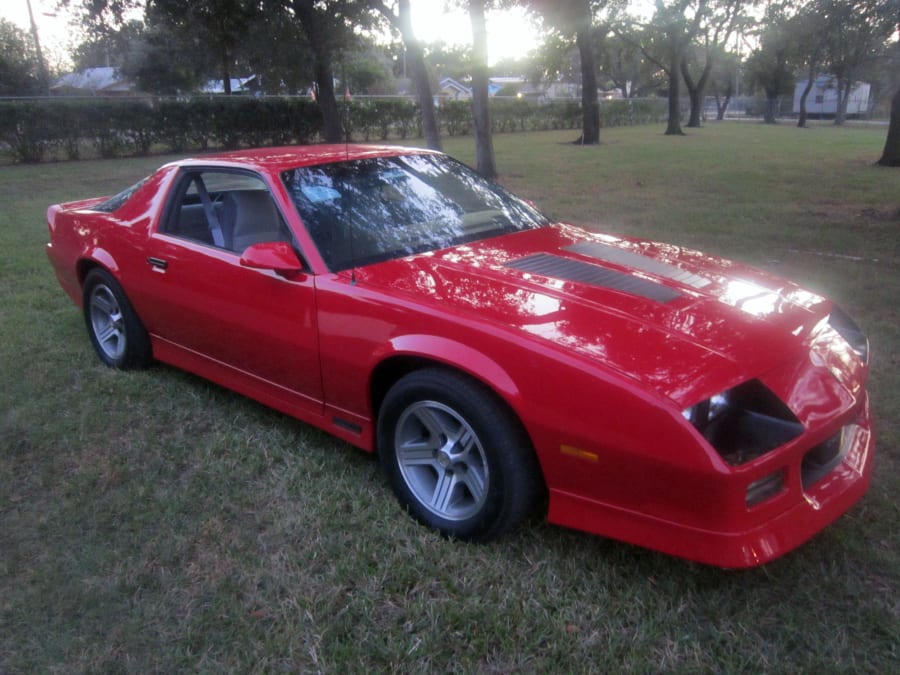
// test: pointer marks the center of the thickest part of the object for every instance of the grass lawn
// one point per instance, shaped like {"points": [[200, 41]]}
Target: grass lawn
{"points": [[152, 522]]}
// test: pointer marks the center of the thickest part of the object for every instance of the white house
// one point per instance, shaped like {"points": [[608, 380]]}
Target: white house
{"points": [[823, 97]]}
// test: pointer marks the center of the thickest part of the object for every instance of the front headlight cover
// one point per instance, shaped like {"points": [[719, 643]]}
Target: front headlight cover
{"points": [[744, 422], [846, 327]]}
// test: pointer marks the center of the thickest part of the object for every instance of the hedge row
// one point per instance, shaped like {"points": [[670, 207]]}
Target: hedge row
{"points": [[112, 128], [36, 130]]}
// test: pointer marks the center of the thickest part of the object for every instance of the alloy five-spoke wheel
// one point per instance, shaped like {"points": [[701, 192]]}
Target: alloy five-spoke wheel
{"points": [[455, 455], [107, 322], [118, 336], [442, 460]]}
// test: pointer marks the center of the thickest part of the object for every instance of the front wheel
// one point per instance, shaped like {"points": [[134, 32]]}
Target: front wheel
{"points": [[456, 458], [118, 336]]}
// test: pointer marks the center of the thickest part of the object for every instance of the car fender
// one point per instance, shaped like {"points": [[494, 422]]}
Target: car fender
{"points": [[98, 256], [457, 355]]}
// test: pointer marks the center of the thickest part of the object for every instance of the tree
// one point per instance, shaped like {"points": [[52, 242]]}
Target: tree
{"points": [[621, 60], [556, 60], [318, 24], [109, 48], [481, 114], [19, 75], [218, 25], [722, 80], [368, 72], [415, 55], [99, 15], [859, 31], [810, 30], [891, 154], [154, 60], [576, 17], [153, 51], [150, 54], [449, 60], [664, 41], [329, 28], [770, 66], [274, 49], [716, 27]]}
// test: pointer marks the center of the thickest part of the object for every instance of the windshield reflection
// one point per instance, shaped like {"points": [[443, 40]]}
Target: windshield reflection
{"points": [[371, 210]]}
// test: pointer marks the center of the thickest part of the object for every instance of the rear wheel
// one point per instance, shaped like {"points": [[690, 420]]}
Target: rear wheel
{"points": [[456, 458], [117, 334]]}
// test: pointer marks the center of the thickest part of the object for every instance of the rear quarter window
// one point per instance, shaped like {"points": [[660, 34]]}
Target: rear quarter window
{"points": [[115, 202]]}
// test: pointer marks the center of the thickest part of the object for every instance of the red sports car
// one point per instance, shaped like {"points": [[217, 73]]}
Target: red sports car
{"points": [[498, 362]]}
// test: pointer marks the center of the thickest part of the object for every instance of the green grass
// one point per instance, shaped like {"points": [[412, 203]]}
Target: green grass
{"points": [[152, 522]]}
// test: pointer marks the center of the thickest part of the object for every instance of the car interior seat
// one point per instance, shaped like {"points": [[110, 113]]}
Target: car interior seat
{"points": [[250, 217]]}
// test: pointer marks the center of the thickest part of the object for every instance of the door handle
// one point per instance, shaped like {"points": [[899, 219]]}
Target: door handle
{"points": [[158, 264]]}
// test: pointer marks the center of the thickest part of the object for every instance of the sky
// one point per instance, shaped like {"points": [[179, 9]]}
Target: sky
{"points": [[510, 33], [53, 31]]}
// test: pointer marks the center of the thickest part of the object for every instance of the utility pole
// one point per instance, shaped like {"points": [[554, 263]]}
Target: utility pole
{"points": [[42, 67]]}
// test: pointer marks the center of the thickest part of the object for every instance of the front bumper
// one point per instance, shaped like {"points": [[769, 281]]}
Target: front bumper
{"points": [[804, 509]]}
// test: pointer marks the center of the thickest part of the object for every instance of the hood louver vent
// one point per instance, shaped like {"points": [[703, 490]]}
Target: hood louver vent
{"points": [[618, 256], [580, 272]]}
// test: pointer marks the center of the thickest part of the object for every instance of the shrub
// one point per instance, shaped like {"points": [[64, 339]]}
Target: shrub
{"points": [[455, 117], [25, 129], [32, 130]]}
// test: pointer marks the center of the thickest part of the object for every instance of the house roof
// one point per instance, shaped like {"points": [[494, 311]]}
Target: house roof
{"points": [[450, 83], [93, 80], [461, 89]]}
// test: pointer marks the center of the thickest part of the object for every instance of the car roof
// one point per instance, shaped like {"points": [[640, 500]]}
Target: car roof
{"points": [[277, 159]]}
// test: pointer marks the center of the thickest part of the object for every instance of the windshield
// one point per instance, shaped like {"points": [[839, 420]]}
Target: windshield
{"points": [[370, 210]]}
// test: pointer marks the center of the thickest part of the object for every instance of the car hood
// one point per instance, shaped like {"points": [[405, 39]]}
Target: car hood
{"points": [[684, 323]]}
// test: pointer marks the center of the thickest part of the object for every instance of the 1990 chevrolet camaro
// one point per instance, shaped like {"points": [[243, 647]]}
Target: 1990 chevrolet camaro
{"points": [[497, 362]]}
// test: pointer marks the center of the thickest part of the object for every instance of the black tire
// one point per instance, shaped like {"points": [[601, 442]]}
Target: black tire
{"points": [[455, 456], [116, 332]]}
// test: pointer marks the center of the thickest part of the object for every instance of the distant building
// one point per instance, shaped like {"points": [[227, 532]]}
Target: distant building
{"points": [[101, 81], [823, 97], [239, 85], [453, 90]]}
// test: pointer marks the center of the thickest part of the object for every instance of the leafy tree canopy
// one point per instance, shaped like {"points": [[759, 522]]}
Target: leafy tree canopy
{"points": [[18, 62]]}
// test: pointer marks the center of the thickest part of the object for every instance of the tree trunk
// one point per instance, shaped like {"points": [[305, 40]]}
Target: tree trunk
{"points": [[590, 104], [673, 128], [420, 77], [481, 114], [331, 117], [696, 90], [324, 73], [722, 105], [891, 154], [226, 72], [840, 115], [694, 117], [771, 109], [801, 121]]}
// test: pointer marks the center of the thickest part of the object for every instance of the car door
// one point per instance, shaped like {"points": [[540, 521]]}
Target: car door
{"points": [[223, 317]]}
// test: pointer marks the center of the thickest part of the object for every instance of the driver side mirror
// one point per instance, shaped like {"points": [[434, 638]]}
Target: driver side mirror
{"points": [[277, 256]]}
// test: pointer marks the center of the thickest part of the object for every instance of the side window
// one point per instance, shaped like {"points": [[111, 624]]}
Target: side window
{"points": [[225, 209]]}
